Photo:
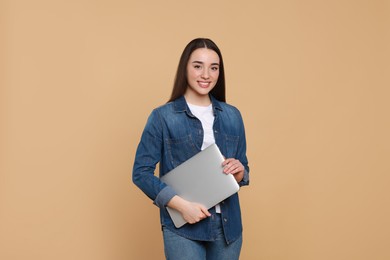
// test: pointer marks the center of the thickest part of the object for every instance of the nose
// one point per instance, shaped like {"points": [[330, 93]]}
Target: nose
{"points": [[205, 74]]}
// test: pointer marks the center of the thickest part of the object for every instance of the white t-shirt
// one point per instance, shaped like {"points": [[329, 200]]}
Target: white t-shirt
{"points": [[206, 117]]}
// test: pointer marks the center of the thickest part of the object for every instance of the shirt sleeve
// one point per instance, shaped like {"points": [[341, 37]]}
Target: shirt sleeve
{"points": [[241, 154], [148, 154]]}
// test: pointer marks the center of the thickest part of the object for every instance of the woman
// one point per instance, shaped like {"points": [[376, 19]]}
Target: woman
{"points": [[195, 116]]}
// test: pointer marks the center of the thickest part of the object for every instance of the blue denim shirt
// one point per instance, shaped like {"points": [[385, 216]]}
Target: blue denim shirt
{"points": [[171, 136]]}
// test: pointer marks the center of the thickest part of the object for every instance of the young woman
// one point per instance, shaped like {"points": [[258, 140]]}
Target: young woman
{"points": [[195, 116]]}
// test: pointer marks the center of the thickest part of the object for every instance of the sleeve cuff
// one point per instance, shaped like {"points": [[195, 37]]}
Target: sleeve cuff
{"points": [[164, 196], [245, 179]]}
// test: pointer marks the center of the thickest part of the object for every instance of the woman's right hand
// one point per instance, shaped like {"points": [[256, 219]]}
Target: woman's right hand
{"points": [[192, 212]]}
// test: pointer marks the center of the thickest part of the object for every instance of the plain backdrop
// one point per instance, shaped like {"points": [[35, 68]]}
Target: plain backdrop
{"points": [[79, 78]]}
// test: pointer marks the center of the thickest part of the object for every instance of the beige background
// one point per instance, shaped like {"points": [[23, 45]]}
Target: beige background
{"points": [[79, 78]]}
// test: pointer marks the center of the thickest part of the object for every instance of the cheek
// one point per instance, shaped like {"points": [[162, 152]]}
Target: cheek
{"points": [[191, 73], [216, 74]]}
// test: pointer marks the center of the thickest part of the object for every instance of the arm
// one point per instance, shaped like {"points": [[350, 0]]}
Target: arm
{"points": [[148, 154], [192, 212], [238, 166]]}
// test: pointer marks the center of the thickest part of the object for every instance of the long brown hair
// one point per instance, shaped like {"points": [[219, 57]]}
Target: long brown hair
{"points": [[181, 83]]}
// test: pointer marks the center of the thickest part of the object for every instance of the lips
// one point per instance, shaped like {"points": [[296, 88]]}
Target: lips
{"points": [[204, 84]]}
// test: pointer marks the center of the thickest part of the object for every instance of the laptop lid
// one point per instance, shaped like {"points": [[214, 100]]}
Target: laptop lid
{"points": [[200, 179]]}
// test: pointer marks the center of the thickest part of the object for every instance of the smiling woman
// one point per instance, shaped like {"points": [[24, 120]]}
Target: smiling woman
{"points": [[195, 117]]}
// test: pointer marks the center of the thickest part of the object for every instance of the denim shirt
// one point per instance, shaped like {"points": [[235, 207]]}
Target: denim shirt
{"points": [[171, 136]]}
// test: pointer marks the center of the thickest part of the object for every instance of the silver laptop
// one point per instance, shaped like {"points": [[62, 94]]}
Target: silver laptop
{"points": [[200, 179]]}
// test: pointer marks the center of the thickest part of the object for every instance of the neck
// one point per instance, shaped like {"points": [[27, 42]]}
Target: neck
{"points": [[203, 100]]}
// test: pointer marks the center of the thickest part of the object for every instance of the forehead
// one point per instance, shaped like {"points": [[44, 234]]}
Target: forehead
{"points": [[204, 55]]}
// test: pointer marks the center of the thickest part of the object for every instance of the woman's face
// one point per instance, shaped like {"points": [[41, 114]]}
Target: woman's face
{"points": [[202, 72]]}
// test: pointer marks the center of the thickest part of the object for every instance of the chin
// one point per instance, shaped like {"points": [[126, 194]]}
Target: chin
{"points": [[203, 93]]}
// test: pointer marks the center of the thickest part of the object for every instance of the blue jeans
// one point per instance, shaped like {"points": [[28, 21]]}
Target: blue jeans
{"points": [[180, 248]]}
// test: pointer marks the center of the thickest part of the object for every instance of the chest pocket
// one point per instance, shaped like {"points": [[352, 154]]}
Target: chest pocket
{"points": [[180, 149], [230, 143]]}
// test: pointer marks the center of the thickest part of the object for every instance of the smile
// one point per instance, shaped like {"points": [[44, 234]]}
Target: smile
{"points": [[204, 84]]}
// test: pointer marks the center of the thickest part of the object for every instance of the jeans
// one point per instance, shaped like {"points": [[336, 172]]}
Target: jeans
{"points": [[181, 248]]}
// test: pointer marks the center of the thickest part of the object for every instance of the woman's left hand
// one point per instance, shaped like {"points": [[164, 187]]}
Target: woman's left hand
{"points": [[235, 167]]}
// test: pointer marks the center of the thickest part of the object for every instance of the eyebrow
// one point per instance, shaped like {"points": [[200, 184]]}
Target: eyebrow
{"points": [[201, 62]]}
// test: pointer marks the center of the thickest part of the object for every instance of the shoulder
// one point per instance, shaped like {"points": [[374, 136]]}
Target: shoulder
{"points": [[163, 109], [177, 105], [224, 107], [230, 115], [167, 112], [229, 109]]}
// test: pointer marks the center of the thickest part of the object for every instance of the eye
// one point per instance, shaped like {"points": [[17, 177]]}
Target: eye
{"points": [[214, 68], [197, 66]]}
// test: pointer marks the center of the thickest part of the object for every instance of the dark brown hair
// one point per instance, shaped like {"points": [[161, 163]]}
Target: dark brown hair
{"points": [[181, 83]]}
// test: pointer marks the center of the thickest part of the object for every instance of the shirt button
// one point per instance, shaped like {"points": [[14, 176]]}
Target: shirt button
{"points": [[225, 219]]}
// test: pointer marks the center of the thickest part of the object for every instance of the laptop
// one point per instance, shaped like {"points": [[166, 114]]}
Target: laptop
{"points": [[200, 179]]}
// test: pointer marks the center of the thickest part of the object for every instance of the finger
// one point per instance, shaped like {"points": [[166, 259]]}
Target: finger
{"points": [[228, 169], [227, 161], [231, 166], [236, 168], [205, 211]]}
